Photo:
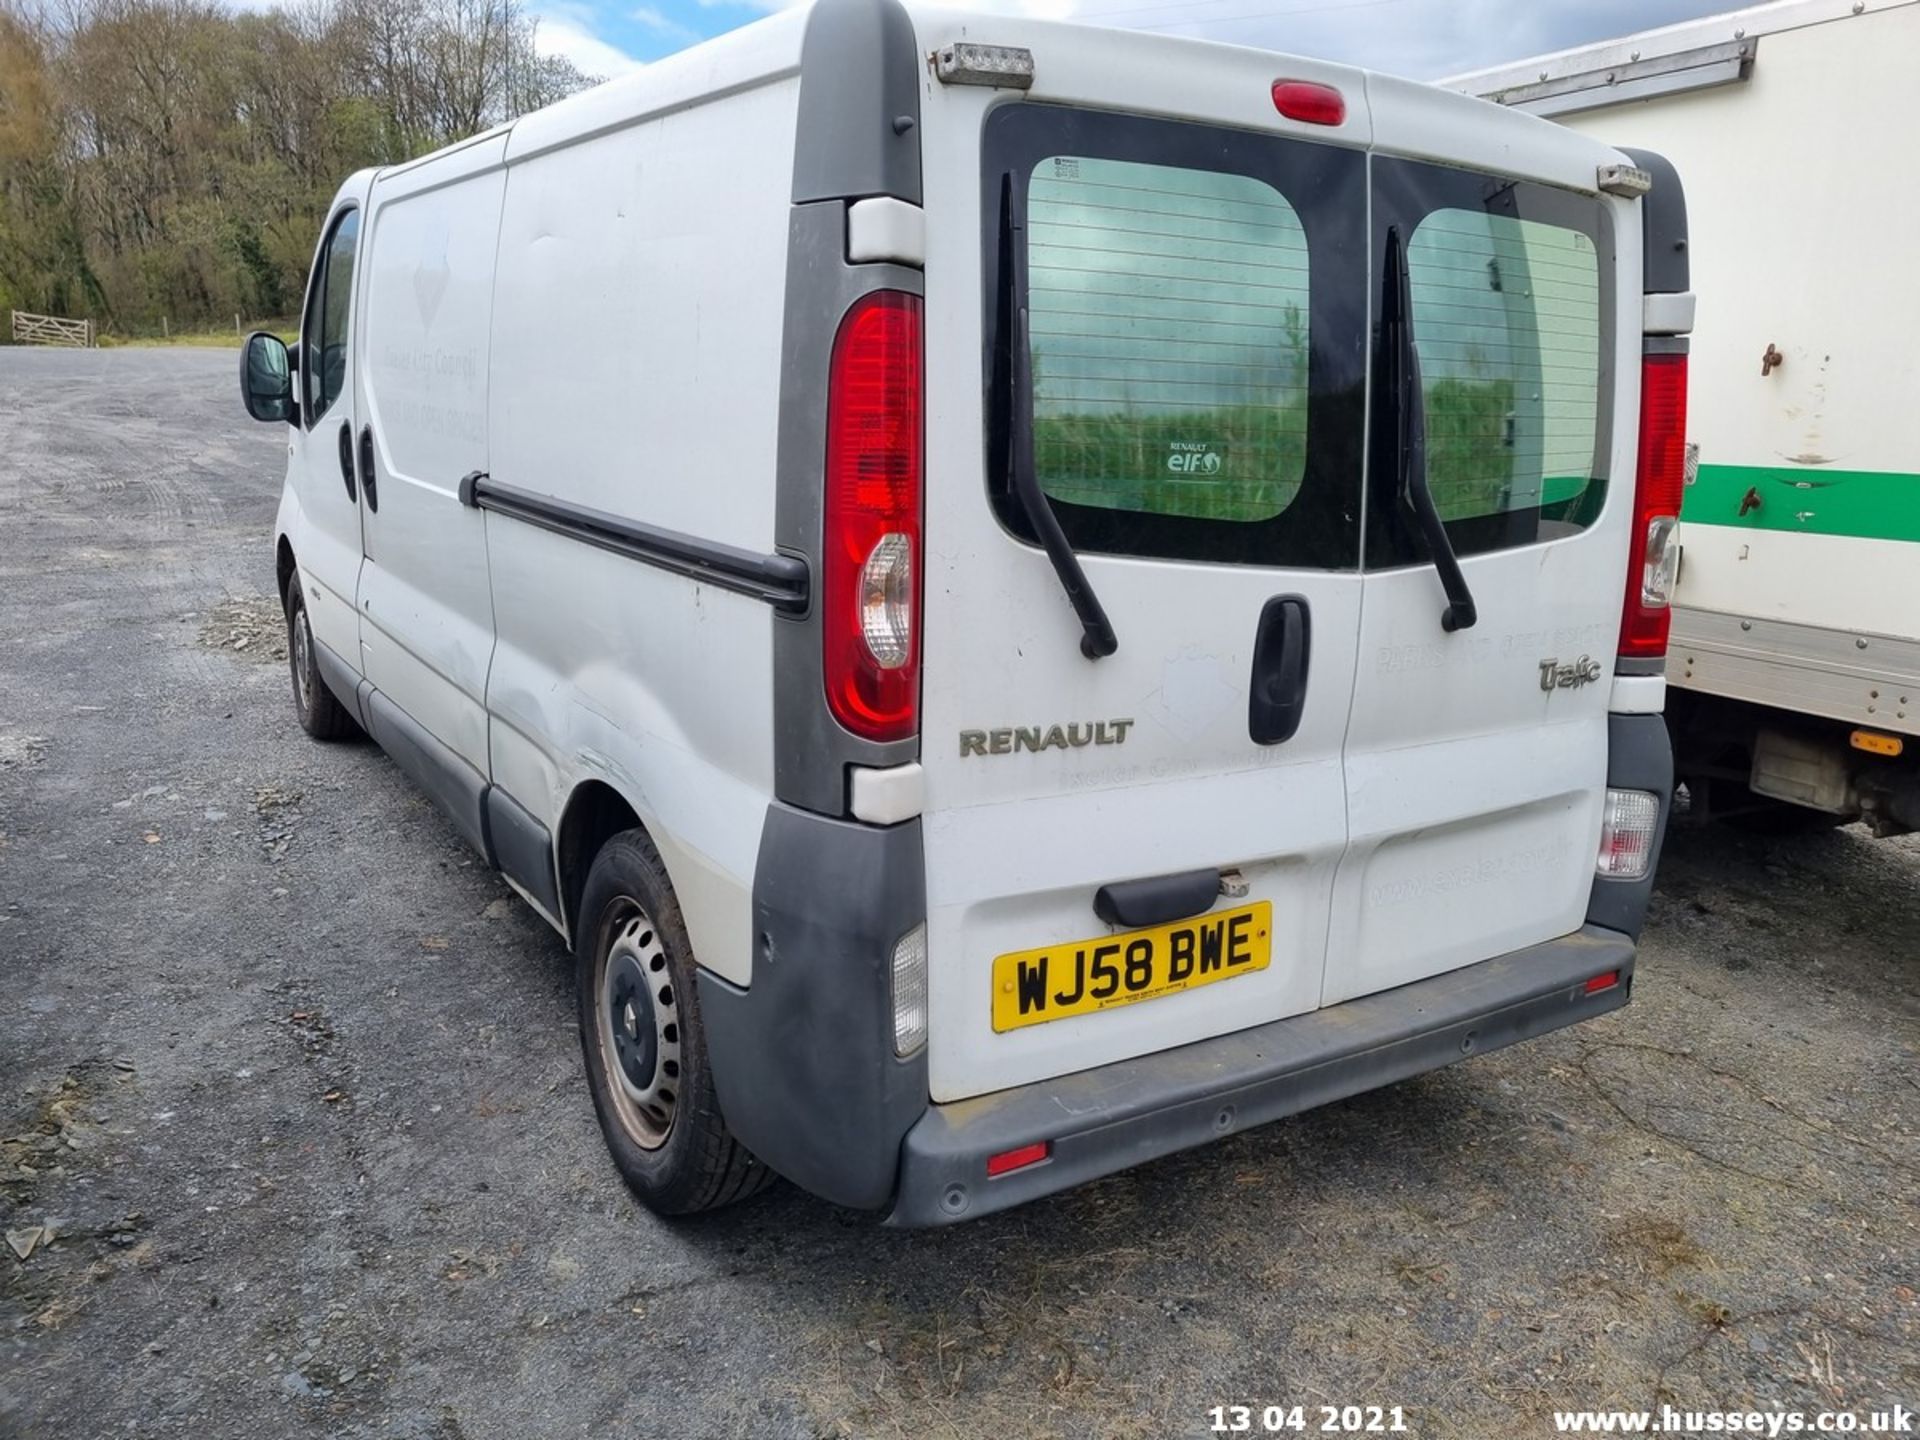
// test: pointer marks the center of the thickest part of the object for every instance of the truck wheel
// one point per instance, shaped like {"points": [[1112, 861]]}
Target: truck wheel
{"points": [[640, 1032], [321, 714]]}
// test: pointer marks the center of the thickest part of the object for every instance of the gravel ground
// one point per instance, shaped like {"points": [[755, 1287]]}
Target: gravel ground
{"points": [[293, 1085]]}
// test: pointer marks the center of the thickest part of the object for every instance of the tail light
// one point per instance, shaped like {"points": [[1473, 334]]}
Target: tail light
{"points": [[1661, 477], [1629, 825], [870, 617]]}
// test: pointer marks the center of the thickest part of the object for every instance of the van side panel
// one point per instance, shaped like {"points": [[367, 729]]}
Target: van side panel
{"points": [[637, 372], [426, 617]]}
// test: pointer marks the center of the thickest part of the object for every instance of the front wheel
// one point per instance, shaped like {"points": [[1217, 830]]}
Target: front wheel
{"points": [[321, 713], [640, 1033]]}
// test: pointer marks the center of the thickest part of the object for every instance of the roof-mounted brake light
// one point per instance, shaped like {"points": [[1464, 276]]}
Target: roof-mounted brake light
{"points": [[1309, 102]]}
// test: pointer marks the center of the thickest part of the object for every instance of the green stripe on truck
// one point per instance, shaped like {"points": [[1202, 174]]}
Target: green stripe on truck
{"points": [[1865, 504]]}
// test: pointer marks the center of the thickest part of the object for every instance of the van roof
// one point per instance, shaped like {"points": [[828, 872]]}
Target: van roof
{"points": [[770, 50], [1700, 50]]}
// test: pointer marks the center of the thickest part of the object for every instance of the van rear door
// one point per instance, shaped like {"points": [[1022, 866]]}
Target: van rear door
{"points": [[1476, 758], [1188, 385]]}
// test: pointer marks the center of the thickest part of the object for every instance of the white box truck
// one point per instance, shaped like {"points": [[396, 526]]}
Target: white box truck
{"points": [[1024, 596], [1796, 623]]}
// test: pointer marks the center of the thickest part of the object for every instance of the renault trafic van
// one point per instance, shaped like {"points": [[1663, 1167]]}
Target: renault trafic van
{"points": [[1024, 596]]}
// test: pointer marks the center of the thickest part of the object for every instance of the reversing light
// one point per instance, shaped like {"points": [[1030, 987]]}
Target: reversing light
{"points": [[1627, 827], [1008, 1161], [909, 986], [1309, 102]]}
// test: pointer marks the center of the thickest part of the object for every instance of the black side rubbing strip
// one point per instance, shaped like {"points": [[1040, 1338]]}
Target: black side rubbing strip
{"points": [[780, 580], [1401, 376], [1158, 899], [1097, 637]]}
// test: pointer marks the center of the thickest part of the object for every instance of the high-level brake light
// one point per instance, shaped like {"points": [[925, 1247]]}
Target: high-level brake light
{"points": [[1309, 102]]}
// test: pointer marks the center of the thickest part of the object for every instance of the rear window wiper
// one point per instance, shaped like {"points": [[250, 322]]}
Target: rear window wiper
{"points": [[1096, 631], [1402, 380]]}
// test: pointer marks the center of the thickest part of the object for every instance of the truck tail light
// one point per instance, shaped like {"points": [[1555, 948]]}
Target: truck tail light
{"points": [[1654, 559], [870, 620]]}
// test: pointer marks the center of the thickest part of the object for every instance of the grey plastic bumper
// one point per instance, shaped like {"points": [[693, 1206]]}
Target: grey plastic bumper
{"points": [[1108, 1119]]}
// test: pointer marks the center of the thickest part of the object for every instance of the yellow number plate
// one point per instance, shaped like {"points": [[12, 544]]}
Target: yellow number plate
{"points": [[1031, 987]]}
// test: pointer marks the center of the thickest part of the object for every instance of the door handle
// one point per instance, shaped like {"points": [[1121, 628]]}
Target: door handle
{"points": [[346, 459], [1277, 698], [368, 481]]}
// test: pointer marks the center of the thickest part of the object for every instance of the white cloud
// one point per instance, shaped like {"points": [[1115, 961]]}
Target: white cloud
{"points": [[664, 26], [568, 36]]}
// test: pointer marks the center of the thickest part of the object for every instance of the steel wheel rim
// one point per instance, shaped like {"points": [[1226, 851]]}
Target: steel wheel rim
{"points": [[637, 1025], [302, 660]]}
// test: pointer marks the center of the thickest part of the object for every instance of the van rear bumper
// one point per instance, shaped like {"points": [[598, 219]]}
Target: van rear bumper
{"points": [[1105, 1120]]}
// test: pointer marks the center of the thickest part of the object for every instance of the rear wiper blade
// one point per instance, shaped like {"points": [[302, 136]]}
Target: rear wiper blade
{"points": [[1403, 382], [1096, 631]]}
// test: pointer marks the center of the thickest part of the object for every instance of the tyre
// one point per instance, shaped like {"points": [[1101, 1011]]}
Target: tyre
{"points": [[640, 1033], [321, 714]]}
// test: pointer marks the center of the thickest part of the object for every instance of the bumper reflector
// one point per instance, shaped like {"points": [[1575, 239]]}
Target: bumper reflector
{"points": [[910, 991], [1603, 982], [1010, 1160], [1627, 828]]}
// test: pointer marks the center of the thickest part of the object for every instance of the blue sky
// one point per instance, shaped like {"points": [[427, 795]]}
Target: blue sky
{"points": [[1421, 38]]}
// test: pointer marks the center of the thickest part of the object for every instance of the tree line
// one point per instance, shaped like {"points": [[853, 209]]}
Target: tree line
{"points": [[168, 162]]}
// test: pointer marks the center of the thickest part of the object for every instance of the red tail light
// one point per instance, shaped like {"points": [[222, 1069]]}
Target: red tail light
{"points": [[870, 600], [1654, 558]]}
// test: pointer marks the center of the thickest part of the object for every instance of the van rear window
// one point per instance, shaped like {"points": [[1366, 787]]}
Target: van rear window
{"points": [[1512, 290], [1195, 336], [1169, 322], [1506, 319]]}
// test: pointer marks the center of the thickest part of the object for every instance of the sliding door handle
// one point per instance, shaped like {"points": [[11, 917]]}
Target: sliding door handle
{"points": [[1277, 698]]}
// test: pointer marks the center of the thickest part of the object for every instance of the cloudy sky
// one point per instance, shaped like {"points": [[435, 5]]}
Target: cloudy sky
{"points": [[1422, 38]]}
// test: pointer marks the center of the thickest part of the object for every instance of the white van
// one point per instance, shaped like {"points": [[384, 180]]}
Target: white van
{"points": [[1025, 596]]}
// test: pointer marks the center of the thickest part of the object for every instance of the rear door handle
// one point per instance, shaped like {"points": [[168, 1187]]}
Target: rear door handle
{"points": [[1277, 698], [346, 459], [367, 479]]}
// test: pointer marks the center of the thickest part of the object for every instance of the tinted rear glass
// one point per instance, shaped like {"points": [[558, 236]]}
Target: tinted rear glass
{"points": [[1506, 319], [1196, 325], [1169, 324], [1511, 289]]}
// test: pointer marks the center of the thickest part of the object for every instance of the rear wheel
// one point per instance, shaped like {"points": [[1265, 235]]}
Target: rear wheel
{"points": [[321, 713], [640, 1033]]}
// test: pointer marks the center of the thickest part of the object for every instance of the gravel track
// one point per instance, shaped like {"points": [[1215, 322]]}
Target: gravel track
{"points": [[295, 1084]]}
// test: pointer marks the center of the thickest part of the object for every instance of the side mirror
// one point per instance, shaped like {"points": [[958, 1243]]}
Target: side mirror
{"points": [[266, 379]]}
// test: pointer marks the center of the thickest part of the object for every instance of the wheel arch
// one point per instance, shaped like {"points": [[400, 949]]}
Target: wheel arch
{"points": [[595, 812]]}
